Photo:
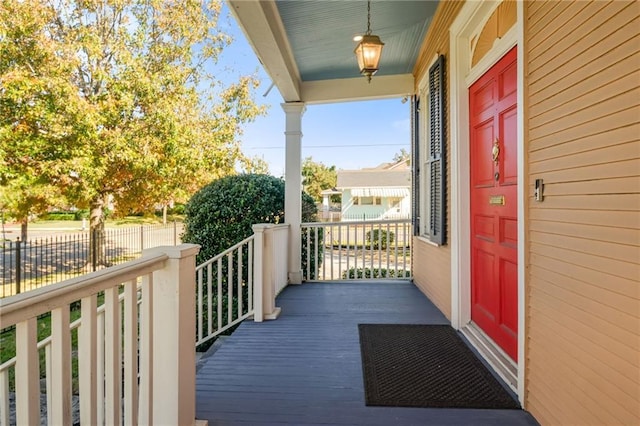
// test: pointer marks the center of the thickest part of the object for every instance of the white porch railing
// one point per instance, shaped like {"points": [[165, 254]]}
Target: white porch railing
{"points": [[241, 282], [121, 339], [357, 250], [225, 286]]}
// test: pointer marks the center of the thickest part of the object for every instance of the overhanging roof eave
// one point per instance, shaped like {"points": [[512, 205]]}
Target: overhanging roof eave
{"points": [[263, 28]]}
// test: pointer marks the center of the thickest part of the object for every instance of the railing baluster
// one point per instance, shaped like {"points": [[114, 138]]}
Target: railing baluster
{"points": [[331, 245], [209, 300], [131, 353], [308, 252], [113, 363], [389, 242], [316, 267], [87, 360], [348, 248], [339, 251], [200, 306], [219, 297], [59, 412], [371, 256], [28, 387], [324, 264], [250, 277], [395, 263], [404, 248], [4, 398], [379, 250], [47, 382], [229, 288], [100, 391], [364, 249], [145, 415], [240, 271]]}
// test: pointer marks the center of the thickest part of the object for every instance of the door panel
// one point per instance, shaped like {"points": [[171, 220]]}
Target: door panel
{"points": [[483, 272], [483, 174], [509, 132], [494, 208]]}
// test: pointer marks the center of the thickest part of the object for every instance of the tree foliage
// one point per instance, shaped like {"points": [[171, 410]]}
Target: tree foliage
{"points": [[316, 177], [256, 165], [43, 123], [103, 98], [401, 156]]}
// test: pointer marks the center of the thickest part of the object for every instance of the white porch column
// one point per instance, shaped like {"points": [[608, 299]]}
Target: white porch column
{"points": [[293, 186]]}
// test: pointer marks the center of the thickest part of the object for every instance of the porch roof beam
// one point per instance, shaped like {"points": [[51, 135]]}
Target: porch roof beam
{"points": [[263, 27], [357, 89]]}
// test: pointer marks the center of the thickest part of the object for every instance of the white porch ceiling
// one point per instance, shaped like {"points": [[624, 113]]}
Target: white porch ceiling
{"points": [[307, 46]]}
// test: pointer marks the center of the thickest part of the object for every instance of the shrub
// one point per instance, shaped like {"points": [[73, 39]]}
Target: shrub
{"points": [[176, 209], [81, 214], [380, 238], [221, 214], [59, 216], [359, 273]]}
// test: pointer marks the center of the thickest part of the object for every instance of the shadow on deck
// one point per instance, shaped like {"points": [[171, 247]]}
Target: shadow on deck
{"points": [[305, 367]]}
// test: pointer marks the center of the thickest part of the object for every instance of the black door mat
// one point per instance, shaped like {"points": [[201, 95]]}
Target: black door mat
{"points": [[425, 366]]}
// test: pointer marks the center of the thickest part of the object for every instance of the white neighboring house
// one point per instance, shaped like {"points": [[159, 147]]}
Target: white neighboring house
{"points": [[377, 193]]}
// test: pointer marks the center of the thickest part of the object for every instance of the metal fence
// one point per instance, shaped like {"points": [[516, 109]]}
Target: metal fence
{"points": [[27, 265]]}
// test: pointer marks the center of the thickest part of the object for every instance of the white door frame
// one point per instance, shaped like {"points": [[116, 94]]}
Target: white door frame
{"points": [[468, 23]]}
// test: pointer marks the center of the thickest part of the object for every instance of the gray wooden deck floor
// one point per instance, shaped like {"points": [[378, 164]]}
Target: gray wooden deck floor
{"points": [[304, 368]]}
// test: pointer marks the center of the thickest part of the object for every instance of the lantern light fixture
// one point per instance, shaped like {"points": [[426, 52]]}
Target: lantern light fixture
{"points": [[369, 50]]}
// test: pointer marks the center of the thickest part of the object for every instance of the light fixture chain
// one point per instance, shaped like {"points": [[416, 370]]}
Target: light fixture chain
{"points": [[368, 17]]}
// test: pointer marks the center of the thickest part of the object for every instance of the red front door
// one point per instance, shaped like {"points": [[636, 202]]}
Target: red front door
{"points": [[494, 207]]}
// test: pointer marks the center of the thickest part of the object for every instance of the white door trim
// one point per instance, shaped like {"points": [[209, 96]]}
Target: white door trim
{"points": [[469, 22]]}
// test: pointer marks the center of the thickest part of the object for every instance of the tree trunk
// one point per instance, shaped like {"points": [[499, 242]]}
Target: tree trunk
{"points": [[96, 234], [23, 228]]}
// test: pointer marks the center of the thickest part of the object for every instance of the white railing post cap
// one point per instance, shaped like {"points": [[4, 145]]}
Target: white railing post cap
{"points": [[260, 227], [174, 252]]}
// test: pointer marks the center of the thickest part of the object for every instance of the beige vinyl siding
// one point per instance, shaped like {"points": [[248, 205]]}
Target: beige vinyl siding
{"points": [[582, 132], [431, 264], [432, 274]]}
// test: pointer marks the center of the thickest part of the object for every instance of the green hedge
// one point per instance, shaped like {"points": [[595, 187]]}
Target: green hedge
{"points": [[359, 273], [66, 215]]}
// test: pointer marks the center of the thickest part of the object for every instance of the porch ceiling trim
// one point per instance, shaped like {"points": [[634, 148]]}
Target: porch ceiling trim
{"points": [[380, 192], [352, 89], [263, 28]]}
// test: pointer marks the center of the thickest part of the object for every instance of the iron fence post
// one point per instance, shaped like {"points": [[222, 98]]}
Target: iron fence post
{"points": [[141, 238], [94, 248], [18, 266]]}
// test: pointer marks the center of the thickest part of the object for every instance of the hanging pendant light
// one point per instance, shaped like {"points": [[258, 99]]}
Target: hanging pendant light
{"points": [[369, 49]]}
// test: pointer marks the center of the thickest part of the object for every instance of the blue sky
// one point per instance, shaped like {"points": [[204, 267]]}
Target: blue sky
{"points": [[349, 135]]}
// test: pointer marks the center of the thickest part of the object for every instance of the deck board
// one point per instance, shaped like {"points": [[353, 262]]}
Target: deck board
{"points": [[305, 367]]}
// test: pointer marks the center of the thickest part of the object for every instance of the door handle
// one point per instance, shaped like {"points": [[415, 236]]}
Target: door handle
{"points": [[495, 151]]}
